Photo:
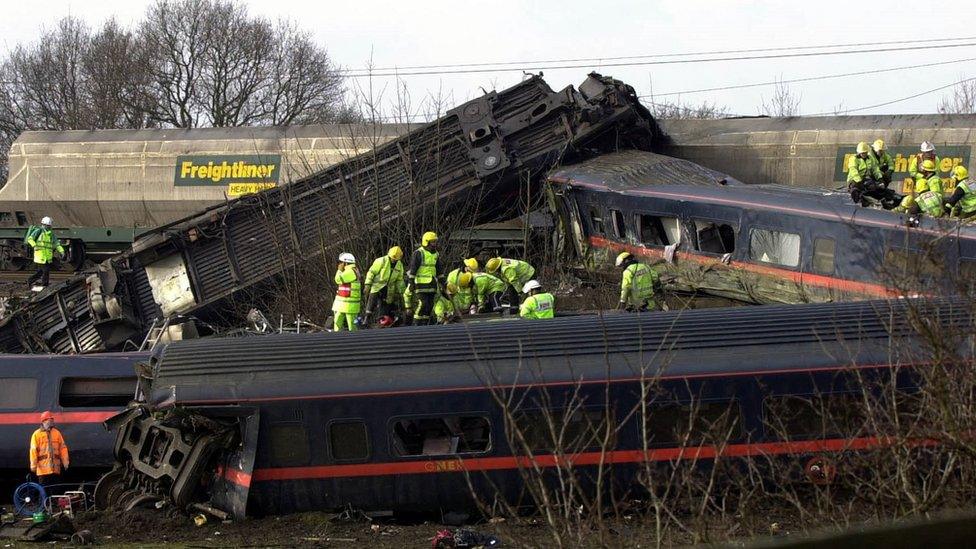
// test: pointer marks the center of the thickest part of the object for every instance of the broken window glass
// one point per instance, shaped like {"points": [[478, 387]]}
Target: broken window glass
{"points": [[348, 441], [437, 436], [596, 221], [814, 416], [776, 247], [289, 444], [715, 238], [693, 423], [18, 393], [552, 430], [89, 392], [619, 226], [658, 231], [823, 255]]}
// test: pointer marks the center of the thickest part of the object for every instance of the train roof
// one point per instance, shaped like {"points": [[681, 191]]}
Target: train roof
{"points": [[589, 348], [213, 134], [651, 175]]}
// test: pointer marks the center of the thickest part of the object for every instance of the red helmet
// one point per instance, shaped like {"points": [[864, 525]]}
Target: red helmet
{"points": [[47, 415], [386, 321]]}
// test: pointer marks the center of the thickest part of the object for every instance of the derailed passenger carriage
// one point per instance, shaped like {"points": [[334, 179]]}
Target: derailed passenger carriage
{"points": [[405, 419], [753, 243], [466, 165], [81, 391]]}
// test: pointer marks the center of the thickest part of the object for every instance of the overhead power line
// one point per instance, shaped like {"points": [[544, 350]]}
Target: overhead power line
{"points": [[808, 78], [663, 62], [893, 101], [650, 56]]}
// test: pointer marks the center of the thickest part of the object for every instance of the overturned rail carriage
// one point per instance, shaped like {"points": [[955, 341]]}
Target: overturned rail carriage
{"points": [[404, 419], [752, 243], [465, 165]]}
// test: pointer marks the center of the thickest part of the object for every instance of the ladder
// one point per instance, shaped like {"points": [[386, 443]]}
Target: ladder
{"points": [[155, 333]]}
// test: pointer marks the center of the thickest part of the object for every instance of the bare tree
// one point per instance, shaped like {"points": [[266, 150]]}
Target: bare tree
{"points": [[214, 64], [962, 100], [677, 109], [784, 102]]}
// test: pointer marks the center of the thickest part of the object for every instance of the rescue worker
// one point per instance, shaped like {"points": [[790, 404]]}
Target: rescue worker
{"points": [[926, 152], [345, 307], [487, 289], [962, 203], [538, 304], [445, 310], [462, 297], [929, 197], [514, 272], [638, 285], [44, 243], [384, 284], [862, 174], [882, 161], [48, 452], [424, 276]]}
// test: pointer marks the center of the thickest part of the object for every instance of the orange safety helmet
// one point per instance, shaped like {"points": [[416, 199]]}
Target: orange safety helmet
{"points": [[47, 415]]}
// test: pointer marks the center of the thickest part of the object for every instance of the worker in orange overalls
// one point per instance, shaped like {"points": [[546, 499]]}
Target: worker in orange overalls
{"points": [[48, 452]]}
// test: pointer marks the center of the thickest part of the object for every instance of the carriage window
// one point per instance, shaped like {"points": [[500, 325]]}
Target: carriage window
{"points": [[439, 436], [774, 247], [823, 255], [289, 444], [18, 393], [596, 221], [658, 231], [693, 423], [804, 417], [348, 440], [716, 238], [912, 263], [93, 392], [619, 227], [552, 430]]}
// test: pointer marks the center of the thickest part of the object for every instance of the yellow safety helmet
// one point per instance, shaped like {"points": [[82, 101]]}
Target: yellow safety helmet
{"points": [[921, 186], [928, 165], [862, 147], [472, 264], [452, 289], [878, 145], [429, 236], [395, 253], [960, 173], [621, 257], [464, 280], [493, 264]]}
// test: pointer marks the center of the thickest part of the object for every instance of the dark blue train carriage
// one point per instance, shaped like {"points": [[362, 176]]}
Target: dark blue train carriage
{"points": [[754, 243], [403, 419], [82, 391]]}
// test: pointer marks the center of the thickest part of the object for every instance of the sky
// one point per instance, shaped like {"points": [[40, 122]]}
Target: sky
{"points": [[399, 34]]}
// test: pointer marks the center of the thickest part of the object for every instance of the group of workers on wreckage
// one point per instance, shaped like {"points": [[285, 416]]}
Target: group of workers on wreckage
{"points": [[869, 173], [426, 293]]}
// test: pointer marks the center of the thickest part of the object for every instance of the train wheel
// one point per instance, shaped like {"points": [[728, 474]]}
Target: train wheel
{"points": [[126, 498], [108, 489]]}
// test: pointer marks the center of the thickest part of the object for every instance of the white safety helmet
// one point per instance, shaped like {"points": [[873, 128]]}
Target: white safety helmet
{"points": [[927, 147], [531, 285], [46, 221], [347, 257]]}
